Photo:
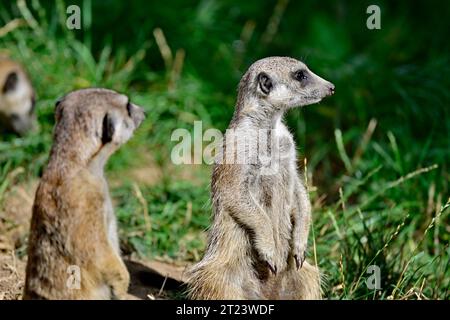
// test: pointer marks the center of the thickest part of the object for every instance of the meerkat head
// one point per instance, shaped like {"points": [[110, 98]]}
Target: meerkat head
{"points": [[17, 99], [93, 123], [281, 83]]}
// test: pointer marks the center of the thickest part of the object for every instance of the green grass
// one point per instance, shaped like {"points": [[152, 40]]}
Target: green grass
{"points": [[377, 152]]}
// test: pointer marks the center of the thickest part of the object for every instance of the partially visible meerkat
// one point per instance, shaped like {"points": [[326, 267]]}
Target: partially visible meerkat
{"points": [[261, 214], [17, 99], [73, 233]]}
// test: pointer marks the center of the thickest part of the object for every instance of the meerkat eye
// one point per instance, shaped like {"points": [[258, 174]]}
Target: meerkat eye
{"points": [[301, 75]]}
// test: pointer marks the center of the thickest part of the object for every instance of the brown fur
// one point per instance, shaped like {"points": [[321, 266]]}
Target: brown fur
{"points": [[73, 223], [258, 238]]}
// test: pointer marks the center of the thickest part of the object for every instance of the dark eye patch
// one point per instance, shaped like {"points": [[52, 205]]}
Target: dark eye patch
{"points": [[129, 108], [107, 129], [11, 82], [301, 75]]}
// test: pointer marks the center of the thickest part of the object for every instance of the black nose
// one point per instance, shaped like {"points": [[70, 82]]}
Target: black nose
{"points": [[331, 89]]}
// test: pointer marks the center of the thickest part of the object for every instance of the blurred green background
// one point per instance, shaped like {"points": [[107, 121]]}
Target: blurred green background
{"points": [[377, 151]]}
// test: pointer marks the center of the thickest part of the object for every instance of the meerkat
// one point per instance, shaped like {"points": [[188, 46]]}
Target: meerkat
{"points": [[261, 213], [73, 250], [17, 99]]}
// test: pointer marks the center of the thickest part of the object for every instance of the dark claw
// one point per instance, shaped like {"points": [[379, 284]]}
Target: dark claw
{"points": [[272, 269], [299, 262]]}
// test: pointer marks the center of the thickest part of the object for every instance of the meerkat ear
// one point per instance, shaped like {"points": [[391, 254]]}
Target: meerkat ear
{"points": [[108, 129], [11, 82], [265, 83], [58, 109]]}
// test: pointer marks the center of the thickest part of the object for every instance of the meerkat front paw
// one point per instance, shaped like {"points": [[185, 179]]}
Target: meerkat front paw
{"points": [[273, 268], [267, 254], [299, 255]]}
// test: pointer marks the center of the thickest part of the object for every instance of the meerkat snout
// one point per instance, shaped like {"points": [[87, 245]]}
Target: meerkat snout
{"points": [[331, 89], [118, 127], [17, 99], [136, 113]]}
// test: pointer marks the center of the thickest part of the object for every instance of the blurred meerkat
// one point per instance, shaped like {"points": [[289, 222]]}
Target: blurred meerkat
{"points": [[17, 99], [258, 238], [73, 227]]}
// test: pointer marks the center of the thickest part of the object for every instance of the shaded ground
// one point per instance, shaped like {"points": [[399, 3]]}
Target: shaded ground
{"points": [[155, 280]]}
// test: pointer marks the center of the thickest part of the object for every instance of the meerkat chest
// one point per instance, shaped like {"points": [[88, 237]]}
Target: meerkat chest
{"points": [[284, 158], [110, 219], [275, 192], [274, 175], [283, 147]]}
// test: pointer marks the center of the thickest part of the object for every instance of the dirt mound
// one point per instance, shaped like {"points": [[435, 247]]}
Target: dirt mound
{"points": [[15, 214], [12, 275]]}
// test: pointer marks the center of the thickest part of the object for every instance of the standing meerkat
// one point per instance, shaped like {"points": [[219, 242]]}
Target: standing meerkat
{"points": [[17, 99], [261, 209], [73, 233]]}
